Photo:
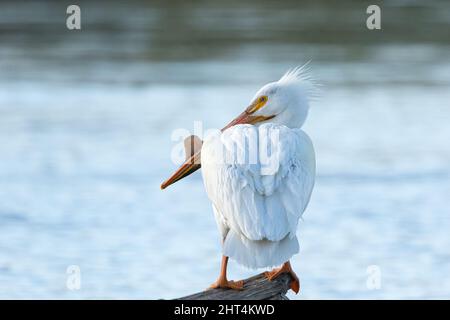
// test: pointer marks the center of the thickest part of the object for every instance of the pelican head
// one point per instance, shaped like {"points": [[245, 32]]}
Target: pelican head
{"points": [[284, 102]]}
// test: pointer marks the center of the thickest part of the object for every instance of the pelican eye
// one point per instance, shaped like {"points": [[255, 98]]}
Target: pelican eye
{"points": [[257, 104]]}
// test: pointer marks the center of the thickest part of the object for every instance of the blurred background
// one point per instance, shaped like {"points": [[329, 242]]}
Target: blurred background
{"points": [[86, 119]]}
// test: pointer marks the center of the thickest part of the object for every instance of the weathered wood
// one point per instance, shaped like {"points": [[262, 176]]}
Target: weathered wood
{"points": [[255, 288]]}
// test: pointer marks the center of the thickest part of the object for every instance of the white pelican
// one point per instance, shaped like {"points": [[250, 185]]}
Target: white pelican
{"points": [[257, 204]]}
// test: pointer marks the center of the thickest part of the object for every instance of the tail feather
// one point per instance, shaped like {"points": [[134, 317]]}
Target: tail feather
{"points": [[260, 253]]}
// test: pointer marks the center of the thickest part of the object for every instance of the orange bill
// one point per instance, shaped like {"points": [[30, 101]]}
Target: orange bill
{"points": [[193, 144]]}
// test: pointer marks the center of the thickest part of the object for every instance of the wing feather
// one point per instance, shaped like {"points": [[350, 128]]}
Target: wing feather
{"points": [[261, 199]]}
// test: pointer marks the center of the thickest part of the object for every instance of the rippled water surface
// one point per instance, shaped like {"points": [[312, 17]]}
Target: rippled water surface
{"points": [[86, 119]]}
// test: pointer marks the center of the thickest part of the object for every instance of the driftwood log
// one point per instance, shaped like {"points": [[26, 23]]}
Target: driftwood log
{"points": [[255, 288]]}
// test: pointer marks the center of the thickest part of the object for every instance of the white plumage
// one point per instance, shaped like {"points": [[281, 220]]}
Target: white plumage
{"points": [[259, 174], [257, 204]]}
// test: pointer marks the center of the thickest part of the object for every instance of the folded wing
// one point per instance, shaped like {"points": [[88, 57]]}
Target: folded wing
{"points": [[259, 179]]}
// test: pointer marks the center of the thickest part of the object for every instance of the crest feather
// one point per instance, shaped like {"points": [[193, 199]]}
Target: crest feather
{"points": [[301, 76]]}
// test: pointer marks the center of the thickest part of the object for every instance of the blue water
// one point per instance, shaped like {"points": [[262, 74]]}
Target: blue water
{"points": [[85, 141]]}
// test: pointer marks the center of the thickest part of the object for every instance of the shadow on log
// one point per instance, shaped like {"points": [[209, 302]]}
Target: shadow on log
{"points": [[255, 288]]}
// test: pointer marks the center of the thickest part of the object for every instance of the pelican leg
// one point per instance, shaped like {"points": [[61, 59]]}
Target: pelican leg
{"points": [[222, 282], [285, 268]]}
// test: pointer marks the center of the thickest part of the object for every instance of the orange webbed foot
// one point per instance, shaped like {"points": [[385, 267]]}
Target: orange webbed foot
{"points": [[285, 268], [227, 284]]}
